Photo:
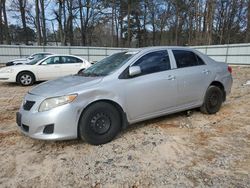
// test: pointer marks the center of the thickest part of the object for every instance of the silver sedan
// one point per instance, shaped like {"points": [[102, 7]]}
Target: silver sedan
{"points": [[122, 89]]}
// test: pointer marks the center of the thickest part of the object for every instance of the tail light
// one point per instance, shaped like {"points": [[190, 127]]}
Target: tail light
{"points": [[229, 69]]}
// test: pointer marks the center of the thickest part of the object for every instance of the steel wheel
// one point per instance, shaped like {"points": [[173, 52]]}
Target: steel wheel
{"points": [[213, 100], [99, 123], [25, 78]]}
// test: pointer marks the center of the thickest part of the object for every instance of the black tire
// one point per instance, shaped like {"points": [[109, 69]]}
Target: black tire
{"points": [[80, 71], [25, 78], [213, 100], [99, 123]]}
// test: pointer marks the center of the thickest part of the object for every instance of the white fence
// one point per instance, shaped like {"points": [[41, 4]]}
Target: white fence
{"points": [[232, 54], [9, 52]]}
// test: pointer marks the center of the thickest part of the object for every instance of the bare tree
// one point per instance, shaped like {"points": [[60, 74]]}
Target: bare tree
{"points": [[247, 39], [22, 6], [38, 26], [43, 22], [129, 25], [7, 35], [1, 23]]}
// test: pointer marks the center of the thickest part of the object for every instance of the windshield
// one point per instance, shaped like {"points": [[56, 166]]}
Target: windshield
{"points": [[35, 61], [108, 65]]}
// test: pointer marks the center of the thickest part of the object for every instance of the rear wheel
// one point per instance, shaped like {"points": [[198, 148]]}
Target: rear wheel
{"points": [[213, 100], [25, 78], [100, 123], [80, 71]]}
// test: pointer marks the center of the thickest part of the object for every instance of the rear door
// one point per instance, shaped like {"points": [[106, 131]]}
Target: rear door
{"points": [[71, 65], [193, 77]]}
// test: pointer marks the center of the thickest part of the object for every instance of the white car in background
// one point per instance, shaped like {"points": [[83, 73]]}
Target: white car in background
{"points": [[47, 68], [32, 57]]}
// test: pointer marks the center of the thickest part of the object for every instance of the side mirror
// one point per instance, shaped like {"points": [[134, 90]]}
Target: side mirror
{"points": [[134, 70], [30, 58], [44, 63]]}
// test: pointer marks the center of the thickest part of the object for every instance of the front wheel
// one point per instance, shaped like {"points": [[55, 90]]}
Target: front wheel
{"points": [[99, 123], [213, 100], [25, 78]]}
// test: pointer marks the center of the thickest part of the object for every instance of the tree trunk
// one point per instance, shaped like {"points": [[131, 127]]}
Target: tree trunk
{"points": [[22, 5], [210, 18], [81, 23], [145, 38], [129, 25], [38, 27], [138, 24], [7, 34], [59, 19], [112, 23], [70, 22], [153, 24], [248, 24], [117, 28], [121, 24], [65, 29], [43, 23], [190, 28], [1, 24], [176, 28], [87, 20], [221, 23]]}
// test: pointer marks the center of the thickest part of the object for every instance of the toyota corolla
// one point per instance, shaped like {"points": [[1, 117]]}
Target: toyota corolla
{"points": [[122, 89]]}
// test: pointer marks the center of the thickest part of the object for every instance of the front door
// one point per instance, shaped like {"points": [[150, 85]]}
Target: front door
{"points": [[49, 69], [154, 90]]}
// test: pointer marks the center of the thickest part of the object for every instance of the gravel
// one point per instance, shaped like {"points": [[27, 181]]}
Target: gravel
{"points": [[187, 149]]}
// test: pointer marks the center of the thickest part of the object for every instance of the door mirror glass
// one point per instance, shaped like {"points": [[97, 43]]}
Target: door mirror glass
{"points": [[134, 70]]}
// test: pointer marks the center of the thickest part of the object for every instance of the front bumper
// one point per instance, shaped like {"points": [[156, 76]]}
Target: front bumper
{"points": [[59, 123]]}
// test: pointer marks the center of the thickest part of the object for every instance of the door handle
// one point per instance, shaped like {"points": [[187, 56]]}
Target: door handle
{"points": [[171, 77], [205, 71]]}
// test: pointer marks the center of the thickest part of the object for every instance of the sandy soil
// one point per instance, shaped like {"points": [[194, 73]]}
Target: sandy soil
{"points": [[172, 151]]}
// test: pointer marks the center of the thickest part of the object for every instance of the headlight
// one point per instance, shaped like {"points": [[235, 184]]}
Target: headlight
{"points": [[50, 103], [8, 70]]}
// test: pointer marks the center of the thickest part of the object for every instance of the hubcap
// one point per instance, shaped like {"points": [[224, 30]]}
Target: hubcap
{"points": [[25, 79], [213, 99], [100, 123]]}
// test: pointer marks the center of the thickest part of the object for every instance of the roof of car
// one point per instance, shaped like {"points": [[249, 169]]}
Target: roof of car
{"points": [[166, 47], [150, 48]]}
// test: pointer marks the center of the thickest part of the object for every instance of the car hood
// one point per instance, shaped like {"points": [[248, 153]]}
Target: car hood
{"points": [[64, 86]]}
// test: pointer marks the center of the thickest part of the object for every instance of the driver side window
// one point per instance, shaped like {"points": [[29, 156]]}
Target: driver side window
{"points": [[52, 60], [154, 62]]}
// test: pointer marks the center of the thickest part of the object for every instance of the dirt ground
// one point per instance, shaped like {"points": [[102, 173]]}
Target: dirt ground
{"points": [[172, 151]]}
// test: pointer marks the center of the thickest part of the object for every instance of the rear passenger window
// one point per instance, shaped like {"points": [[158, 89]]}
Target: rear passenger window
{"points": [[154, 62], [186, 59], [68, 59], [200, 61]]}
